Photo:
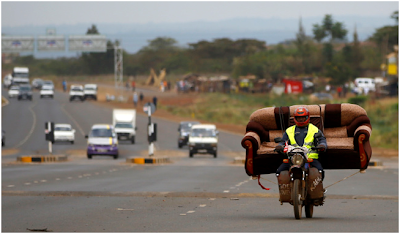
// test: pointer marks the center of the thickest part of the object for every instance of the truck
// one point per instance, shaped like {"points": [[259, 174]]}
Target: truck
{"points": [[124, 122], [90, 91], [20, 75]]}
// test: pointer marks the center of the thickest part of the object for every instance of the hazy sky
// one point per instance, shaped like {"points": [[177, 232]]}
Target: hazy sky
{"points": [[17, 13]]}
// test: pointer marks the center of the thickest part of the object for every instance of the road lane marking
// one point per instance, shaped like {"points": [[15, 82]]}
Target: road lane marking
{"points": [[124, 209], [190, 211], [27, 183], [73, 120], [202, 205], [57, 178], [10, 186], [43, 181], [32, 127], [226, 191]]}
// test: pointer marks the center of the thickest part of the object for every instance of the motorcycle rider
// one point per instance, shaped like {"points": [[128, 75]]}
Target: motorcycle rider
{"points": [[303, 134]]}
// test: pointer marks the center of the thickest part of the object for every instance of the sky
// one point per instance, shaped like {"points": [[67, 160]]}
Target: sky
{"points": [[18, 13]]}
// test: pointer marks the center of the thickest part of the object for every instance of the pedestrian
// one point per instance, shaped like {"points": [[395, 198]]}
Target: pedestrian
{"points": [[64, 84], [141, 97], [135, 99], [155, 101], [133, 85], [127, 85]]}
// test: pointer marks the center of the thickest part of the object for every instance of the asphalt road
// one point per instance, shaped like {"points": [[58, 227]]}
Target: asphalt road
{"points": [[200, 194]]}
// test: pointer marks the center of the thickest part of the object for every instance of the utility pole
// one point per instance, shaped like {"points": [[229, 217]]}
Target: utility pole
{"points": [[118, 59]]}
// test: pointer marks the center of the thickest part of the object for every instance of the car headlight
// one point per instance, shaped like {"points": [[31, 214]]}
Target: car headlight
{"points": [[297, 159]]}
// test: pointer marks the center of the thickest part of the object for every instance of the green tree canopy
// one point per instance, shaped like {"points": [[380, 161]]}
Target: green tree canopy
{"points": [[330, 28]]}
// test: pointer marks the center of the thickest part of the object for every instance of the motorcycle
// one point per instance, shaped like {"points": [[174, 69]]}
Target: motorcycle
{"points": [[302, 184]]}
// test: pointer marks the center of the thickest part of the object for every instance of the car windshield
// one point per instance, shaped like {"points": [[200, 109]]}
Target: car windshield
{"points": [[14, 88], [24, 88], [76, 89], [89, 88], [123, 125], [101, 132], [48, 83], [201, 132], [46, 88], [62, 129], [187, 126]]}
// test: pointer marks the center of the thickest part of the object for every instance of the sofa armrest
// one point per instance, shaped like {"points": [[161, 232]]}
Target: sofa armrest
{"points": [[253, 135], [251, 142], [362, 145]]}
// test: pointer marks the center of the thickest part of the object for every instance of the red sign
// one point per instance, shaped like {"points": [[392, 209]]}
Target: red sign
{"points": [[293, 86]]}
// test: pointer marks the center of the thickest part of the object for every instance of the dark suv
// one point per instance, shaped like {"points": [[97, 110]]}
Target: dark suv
{"points": [[25, 92], [184, 130]]}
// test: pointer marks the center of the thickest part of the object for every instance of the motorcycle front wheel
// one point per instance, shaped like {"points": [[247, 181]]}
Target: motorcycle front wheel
{"points": [[296, 198]]}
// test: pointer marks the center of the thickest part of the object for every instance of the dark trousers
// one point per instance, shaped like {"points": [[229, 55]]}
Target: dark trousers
{"points": [[315, 163]]}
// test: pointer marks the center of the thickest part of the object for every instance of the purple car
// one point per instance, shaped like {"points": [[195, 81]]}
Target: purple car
{"points": [[102, 140]]}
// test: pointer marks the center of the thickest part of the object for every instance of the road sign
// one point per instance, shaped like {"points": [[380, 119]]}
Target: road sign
{"points": [[148, 106]]}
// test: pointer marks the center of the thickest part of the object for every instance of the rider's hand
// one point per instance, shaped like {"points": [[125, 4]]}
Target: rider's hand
{"points": [[279, 148], [321, 147]]}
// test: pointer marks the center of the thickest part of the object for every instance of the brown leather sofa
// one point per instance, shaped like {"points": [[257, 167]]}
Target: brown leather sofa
{"points": [[346, 127]]}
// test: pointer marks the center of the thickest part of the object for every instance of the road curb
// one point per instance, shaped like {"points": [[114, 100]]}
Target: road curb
{"points": [[42, 158], [147, 160], [375, 163]]}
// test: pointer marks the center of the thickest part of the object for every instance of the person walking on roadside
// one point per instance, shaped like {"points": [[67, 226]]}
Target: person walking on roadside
{"points": [[135, 99], [141, 97], [133, 85], [64, 84], [155, 101]]}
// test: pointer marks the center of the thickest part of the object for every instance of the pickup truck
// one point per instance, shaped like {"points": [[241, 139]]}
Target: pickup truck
{"points": [[76, 92]]}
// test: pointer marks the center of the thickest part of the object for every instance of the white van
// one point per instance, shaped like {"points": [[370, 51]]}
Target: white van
{"points": [[90, 91], [203, 139], [364, 85]]}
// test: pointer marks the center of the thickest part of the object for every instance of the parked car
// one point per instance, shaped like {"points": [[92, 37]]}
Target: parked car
{"points": [[76, 92], [25, 92], [64, 132], [364, 85], [203, 139], [184, 131], [37, 83], [13, 91], [102, 140], [321, 97], [47, 91], [48, 83]]}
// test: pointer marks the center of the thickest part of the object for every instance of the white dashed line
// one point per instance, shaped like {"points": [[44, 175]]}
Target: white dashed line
{"points": [[10, 186], [27, 183], [212, 199], [57, 178], [190, 211], [43, 181], [202, 205], [69, 178], [226, 191], [35, 182]]}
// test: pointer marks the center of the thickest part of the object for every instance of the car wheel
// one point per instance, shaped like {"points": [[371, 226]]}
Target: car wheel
{"points": [[72, 142], [179, 145], [215, 154], [115, 156], [89, 156], [133, 140], [190, 154], [95, 98]]}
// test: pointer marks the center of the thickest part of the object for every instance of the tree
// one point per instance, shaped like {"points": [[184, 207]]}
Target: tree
{"points": [[330, 28], [161, 43], [92, 31], [387, 36]]}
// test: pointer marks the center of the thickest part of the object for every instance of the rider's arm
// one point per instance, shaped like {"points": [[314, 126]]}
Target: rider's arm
{"points": [[321, 140], [284, 139]]}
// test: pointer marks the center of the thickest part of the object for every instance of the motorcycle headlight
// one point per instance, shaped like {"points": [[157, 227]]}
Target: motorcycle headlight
{"points": [[297, 159]]}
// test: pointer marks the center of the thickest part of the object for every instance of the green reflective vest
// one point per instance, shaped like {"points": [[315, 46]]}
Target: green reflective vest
{"points": [[308, 141]]}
